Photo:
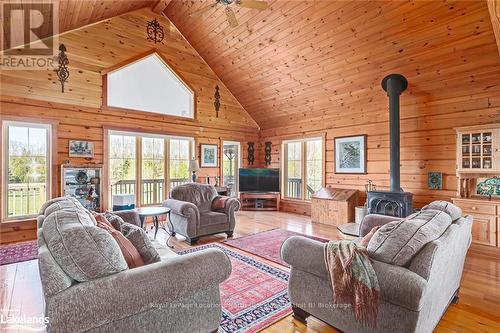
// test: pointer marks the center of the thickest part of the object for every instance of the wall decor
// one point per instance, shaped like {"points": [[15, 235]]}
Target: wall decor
{"points": [[155, 31], [435, 180], [208, 156], [251, 151], [62, 70], [488, 186], [217, 101], [350, 154], [267, 150], [81, 149]]}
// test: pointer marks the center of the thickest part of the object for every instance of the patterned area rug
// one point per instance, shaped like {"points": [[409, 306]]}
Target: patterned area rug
{"points": [[253, 297], [267, 244], [12, 253]]}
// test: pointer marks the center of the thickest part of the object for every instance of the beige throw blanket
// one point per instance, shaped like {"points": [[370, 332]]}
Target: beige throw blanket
{"points": [[353, 279]]}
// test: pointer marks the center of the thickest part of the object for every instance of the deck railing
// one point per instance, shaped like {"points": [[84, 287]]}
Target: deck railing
{"points": [[25, 199], [294, 189], [152, 189]]}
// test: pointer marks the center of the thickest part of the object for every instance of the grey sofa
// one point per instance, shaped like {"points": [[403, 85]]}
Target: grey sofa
{"points": [[192, 215], [413, 298], [177, 294]]}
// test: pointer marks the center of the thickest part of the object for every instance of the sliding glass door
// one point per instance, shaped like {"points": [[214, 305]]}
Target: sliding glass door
{"points": [[230, 165]]}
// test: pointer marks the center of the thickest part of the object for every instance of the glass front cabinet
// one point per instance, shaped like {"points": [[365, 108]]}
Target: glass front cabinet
{"points": [[477, 149], [83, 183]]}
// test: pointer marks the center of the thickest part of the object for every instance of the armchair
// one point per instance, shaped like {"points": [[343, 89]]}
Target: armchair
{"points": [[192, 214]]}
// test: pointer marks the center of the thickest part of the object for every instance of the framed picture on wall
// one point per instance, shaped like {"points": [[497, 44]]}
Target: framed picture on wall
{"points": [[208, 156], [81, 149], [350, 154]]}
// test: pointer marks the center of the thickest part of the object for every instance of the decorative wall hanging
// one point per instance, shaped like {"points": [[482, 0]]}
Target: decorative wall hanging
{"points": [[488, 186], [217, 101], [155, 31], [209, 156], [267, 150], [62, 70], [435, 180], [83, 149], [350, 154], [251, 151]]}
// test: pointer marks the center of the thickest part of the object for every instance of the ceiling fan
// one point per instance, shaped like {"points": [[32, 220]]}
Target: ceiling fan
{"points": [[231, 17]]}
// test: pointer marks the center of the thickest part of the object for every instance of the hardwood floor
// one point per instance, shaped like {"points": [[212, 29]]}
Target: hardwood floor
{"points": [[477, 311]]}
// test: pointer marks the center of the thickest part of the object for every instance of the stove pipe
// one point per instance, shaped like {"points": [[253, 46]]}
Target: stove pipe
{"points": [[394, 85]]}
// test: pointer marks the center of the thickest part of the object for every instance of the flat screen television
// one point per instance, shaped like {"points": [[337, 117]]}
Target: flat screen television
{"points": [[259, 180]]}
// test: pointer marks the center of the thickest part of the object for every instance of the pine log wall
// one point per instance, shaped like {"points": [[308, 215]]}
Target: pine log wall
{"points": [[80, 115]]}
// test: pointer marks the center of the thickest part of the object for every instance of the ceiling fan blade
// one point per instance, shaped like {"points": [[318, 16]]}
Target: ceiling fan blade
{"points": [[202, 10], [260, 5], [231, 18]]}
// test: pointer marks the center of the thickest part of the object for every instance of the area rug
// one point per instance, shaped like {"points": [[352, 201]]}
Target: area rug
{"points": [[267, 244], [253, 297], [12, 253]]}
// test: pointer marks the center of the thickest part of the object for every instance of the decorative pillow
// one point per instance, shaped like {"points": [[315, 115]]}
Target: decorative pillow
{"points": [[454, 211], [366, 239], [397, 242], [219, 203], [84, 251], [138, 237], [130, 253]]}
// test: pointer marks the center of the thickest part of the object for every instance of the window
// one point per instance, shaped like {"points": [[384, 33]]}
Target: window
{"points": [[302, 168], [150, 85], [230, 165], [26, 168], [139, 160]]}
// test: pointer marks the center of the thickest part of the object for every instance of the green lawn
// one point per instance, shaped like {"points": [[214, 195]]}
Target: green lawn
{"points": [[18, 202]]}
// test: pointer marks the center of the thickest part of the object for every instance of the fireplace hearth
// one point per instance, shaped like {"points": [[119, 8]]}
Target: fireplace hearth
{"points": [[395, 202]]}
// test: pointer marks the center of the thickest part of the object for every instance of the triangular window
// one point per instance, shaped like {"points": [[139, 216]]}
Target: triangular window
{"points": [[150, 85]]}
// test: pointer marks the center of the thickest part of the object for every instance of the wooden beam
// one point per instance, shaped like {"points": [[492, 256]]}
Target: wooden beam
{"points": [[160, 6], [494, 8]]}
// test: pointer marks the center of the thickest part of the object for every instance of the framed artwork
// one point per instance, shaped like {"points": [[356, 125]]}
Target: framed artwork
{"points": [[81, 149], [350, 154], [435, 180], [208, 156]]}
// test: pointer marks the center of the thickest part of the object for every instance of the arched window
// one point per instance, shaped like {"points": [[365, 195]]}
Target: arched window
{"points": [[150, 85]]}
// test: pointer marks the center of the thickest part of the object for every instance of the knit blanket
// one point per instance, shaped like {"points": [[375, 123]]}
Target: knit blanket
{"points": [[353, 279]]}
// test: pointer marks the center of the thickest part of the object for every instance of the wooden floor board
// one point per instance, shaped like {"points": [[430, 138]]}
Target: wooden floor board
{"points": [[477, 311]]}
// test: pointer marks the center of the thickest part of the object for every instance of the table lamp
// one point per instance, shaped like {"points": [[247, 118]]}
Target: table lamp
{"points": [[193, 167]]}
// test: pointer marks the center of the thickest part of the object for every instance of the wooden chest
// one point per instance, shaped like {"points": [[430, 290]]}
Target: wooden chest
{"points": [[333, 206]]}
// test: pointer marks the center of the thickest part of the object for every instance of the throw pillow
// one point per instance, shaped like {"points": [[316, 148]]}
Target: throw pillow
{"points": [[219, 203], [397, 242], [137, 236], [454, 211], [366, 239], [130, 253]]}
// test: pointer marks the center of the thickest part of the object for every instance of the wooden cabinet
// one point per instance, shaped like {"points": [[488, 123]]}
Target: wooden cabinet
{"points": [[478, 149], [486, 219], [333, 206]]}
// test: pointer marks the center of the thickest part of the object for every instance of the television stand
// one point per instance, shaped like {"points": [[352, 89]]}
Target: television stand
{"points": [[260, 200]]}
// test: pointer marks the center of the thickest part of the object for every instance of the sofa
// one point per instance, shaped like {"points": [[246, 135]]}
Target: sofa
{"points": [[193, 213], [177, 293], [413, 296]]}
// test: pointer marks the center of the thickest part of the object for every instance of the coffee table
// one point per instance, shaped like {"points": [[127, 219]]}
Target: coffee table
{"points": [[155, 212]]}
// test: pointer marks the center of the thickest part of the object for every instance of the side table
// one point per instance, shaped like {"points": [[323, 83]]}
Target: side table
{"points": [[155, 212]]}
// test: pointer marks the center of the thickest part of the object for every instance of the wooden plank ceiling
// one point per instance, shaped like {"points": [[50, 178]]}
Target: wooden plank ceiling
{"points": [[316, 62], [74, 14]]}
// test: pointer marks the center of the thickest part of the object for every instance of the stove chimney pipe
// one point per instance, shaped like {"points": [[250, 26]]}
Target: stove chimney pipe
{"points": [[394, 85]]}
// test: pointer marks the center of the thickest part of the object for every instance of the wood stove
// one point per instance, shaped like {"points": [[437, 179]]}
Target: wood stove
{"points": [[395, 202]]}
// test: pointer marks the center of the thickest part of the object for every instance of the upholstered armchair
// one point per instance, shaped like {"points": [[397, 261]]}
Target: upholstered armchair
{"points": [[198, 210]]}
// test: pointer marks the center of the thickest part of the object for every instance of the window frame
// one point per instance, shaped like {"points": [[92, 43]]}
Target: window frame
{"points": [[107, 200], [303, 164], [104, 77], [51, 179]]}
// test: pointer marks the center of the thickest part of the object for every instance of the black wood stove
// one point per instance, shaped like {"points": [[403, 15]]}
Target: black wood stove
{"points": [[395, 202]]}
